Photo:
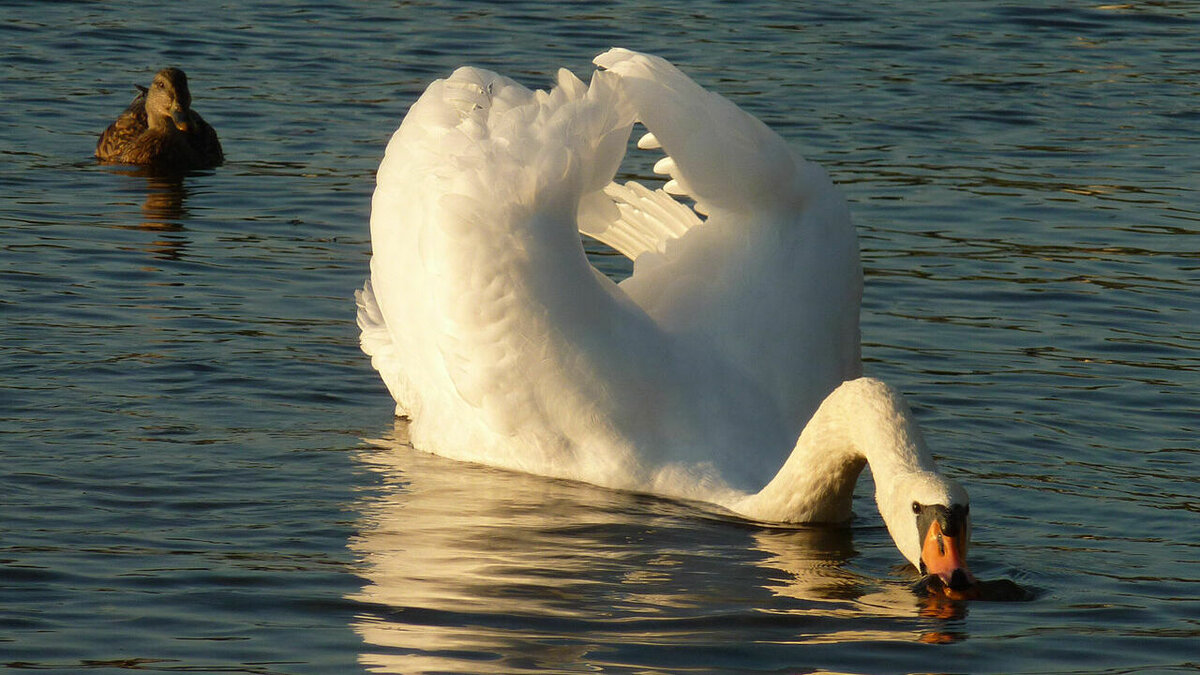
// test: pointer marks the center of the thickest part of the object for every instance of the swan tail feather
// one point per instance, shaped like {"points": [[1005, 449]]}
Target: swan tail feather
{"points": [[376, 341]]}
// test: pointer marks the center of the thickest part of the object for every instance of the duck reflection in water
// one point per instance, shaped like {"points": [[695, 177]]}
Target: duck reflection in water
{"points": [[163, 211]]}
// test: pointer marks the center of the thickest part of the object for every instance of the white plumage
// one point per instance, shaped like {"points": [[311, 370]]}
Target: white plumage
{"points": [[694, 377]]}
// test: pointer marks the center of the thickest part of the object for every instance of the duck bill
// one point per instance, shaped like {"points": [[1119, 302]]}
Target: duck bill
{"points": [[945, 557], [180, 117]]}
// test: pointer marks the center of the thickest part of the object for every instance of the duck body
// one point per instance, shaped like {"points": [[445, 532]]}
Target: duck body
{"points": [[160, 129], [726, 369]]}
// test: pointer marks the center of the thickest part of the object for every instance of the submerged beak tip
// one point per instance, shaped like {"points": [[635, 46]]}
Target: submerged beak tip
{"points": [[959, 580]]}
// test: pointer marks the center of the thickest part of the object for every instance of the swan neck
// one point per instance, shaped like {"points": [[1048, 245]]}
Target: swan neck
{"points": [[863, 422]]}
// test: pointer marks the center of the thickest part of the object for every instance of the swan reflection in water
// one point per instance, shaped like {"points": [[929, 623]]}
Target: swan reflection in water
{"points": [[467, 564]]}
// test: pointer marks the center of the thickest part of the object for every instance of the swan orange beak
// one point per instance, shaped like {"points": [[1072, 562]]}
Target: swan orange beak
{"points": [[944, 556]]}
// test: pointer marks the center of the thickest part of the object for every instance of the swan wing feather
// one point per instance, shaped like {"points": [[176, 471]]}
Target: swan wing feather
{"points": [[634, 219], [720, 155], [771, 279]]}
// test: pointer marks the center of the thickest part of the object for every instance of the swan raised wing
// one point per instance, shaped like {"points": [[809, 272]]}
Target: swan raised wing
{"points": [[771, 279]]}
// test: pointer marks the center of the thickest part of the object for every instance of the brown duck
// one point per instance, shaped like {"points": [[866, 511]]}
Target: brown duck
{"points": [[160, 129]]}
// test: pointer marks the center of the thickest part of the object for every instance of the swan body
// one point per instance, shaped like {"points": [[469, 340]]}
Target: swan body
{"points": [[160, 129], [732, 351]]}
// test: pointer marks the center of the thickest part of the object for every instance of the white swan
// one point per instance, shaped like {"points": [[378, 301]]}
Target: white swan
{"points": [[693, 378]]}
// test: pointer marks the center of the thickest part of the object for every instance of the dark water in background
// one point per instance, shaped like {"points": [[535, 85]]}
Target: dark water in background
{"points": [[187, 482]]}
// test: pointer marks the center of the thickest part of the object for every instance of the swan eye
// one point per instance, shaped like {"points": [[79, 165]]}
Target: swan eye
{"points": [[916, 507]]}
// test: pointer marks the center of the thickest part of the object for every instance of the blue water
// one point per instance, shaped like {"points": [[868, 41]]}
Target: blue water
{"points": [[201, 473]]}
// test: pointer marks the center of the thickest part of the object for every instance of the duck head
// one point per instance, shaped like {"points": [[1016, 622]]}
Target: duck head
{"points": [[929, 518], [168, 100]]}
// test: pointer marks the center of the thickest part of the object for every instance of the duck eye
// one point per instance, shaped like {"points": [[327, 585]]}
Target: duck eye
{"points": [[916, 507]]}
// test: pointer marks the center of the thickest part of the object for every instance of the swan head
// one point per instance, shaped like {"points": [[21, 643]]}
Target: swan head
{"points": [[929, 518]]}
